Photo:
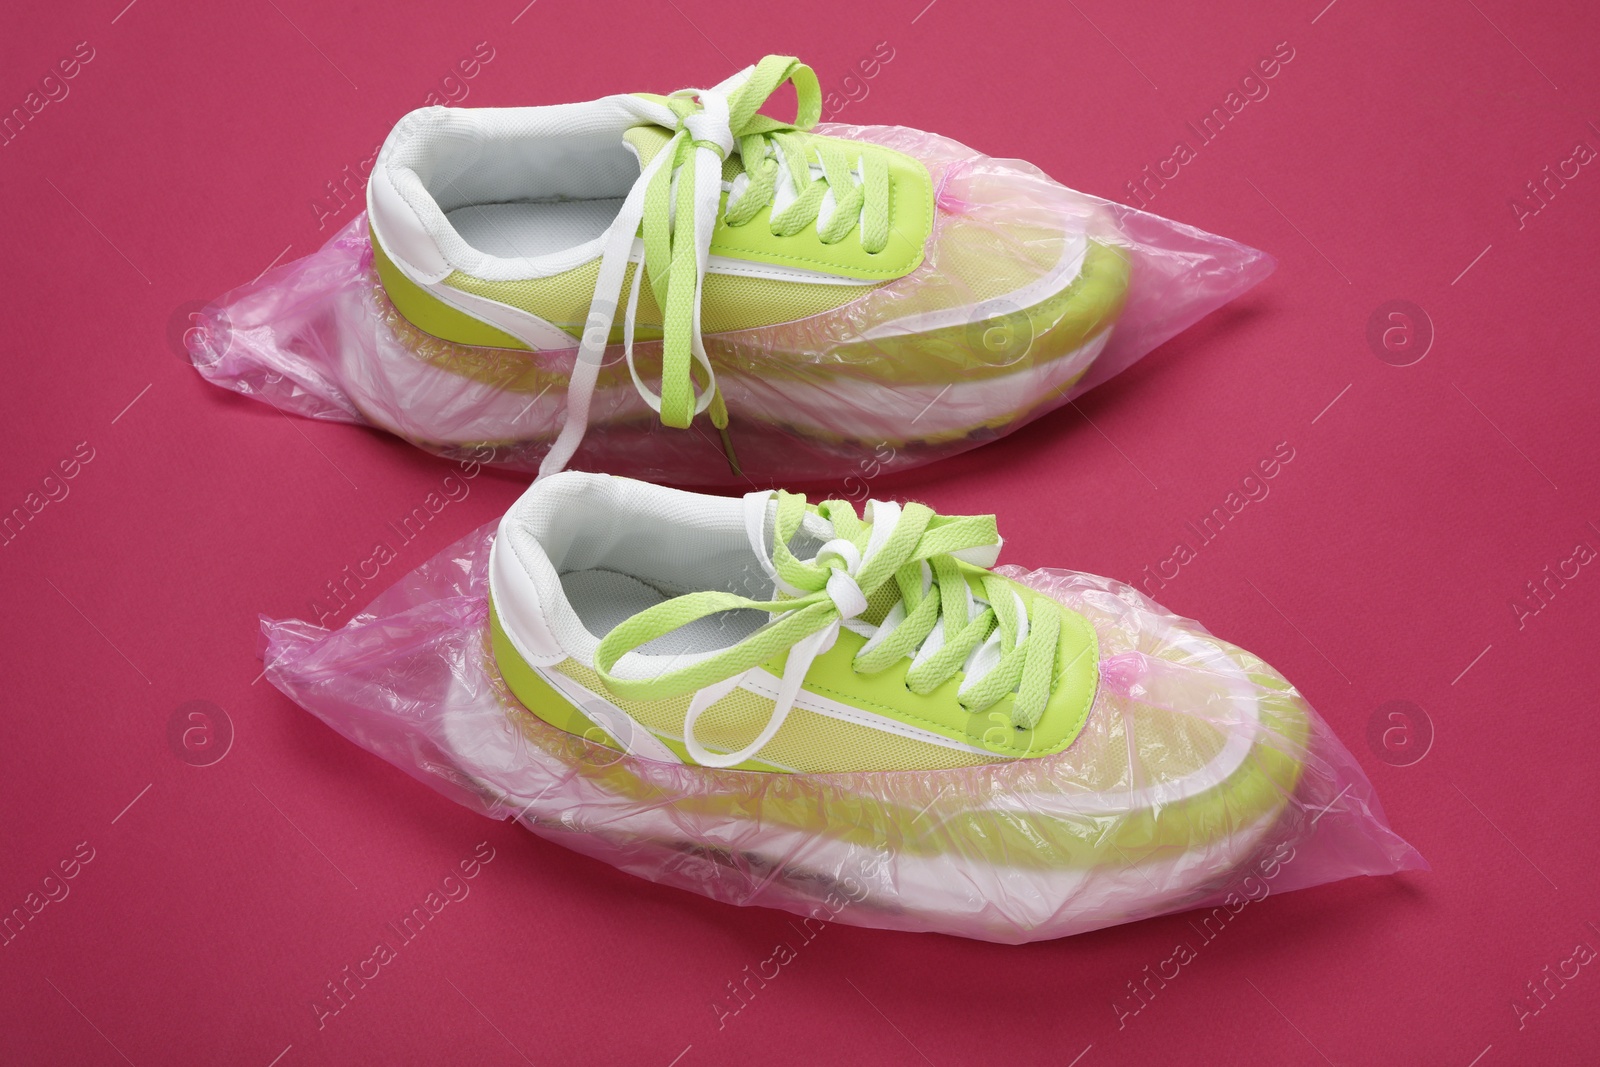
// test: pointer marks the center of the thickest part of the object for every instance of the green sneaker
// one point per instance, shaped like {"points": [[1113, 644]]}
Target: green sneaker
{"points": [[863, 284], [849, 684]]}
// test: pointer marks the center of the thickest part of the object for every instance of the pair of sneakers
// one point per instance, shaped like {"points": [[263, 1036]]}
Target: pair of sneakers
{"points": [[1101, 755]]}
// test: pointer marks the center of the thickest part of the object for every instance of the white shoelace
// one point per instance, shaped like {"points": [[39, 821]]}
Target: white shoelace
{"points": [[851, 602], [709, 126]]}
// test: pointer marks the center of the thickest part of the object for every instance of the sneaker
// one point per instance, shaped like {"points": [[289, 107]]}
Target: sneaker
{"points": [[861, 285], [837, 685]]}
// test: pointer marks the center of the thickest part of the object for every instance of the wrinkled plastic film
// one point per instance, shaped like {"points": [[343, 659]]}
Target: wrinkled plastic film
{"points": [[411, 679], [816, 399]]}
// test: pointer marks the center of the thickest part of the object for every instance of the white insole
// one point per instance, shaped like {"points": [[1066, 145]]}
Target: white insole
{"points": [[533, 228], [606, 599]]}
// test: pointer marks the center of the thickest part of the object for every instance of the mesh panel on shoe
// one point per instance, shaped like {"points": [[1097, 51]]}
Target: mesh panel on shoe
{"points": [[807, 742], [817, 744], [880, 602], [1170, 746], [731, 301], [562, 299], [1098, 760], [736, 302], [662, 716], [986, 268]]}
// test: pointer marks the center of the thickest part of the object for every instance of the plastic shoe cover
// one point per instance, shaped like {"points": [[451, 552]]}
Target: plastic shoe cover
{"points": [[1004, 320], [412, 679]]}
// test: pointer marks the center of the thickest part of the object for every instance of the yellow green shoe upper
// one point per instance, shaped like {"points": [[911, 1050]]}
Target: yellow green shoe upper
{"points": [[816, 647], [712, 242], [889, 647]]}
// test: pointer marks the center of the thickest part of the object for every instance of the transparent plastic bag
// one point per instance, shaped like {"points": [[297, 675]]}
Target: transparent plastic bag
{"points": [[977, 341], [411, 678]]}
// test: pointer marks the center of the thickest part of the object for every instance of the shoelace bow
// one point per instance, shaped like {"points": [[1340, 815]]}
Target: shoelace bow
{"points": [[677, 198], [911, 546]]}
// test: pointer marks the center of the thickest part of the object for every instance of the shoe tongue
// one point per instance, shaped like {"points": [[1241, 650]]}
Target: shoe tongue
{"points": [[647, 141]]}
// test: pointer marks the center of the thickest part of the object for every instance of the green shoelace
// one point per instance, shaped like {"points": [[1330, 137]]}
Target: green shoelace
{"points": [[675, 204], [911, 546]]}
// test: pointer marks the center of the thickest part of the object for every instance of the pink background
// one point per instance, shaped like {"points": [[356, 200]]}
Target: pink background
{"points": [[188, 155]]}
